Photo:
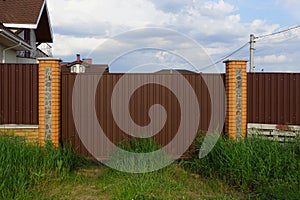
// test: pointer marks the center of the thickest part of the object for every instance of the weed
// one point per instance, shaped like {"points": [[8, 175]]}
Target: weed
{"points": [[262, 166], [143, 156], [171, 182], [24, 165]]}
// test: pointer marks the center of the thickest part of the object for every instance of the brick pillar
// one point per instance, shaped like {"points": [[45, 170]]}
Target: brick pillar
{"points": [[236, 91], [49, 100]]}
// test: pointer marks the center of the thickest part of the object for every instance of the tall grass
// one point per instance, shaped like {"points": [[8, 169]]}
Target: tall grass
{"points": [[139, 145], [268, 168], [171, 182], [24, 165], [142, 157]]}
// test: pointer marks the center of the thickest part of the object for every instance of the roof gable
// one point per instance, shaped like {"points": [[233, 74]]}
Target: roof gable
{"points": [[43, 31], [28, 14], [20, 11]]}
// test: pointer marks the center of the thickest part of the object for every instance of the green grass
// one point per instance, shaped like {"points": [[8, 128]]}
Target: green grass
{"points": [[169, 183], [138, 160], [139, 145], [31, 172], [24, 165], [101, 182], [250, 169], [267, 169]]}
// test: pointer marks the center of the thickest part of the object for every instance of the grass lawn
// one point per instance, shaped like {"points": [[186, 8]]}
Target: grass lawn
{"points": [[101, 182], [250, 169]]}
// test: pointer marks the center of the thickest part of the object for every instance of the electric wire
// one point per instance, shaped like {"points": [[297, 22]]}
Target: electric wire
{"points": [[221, 59], [226, 56], [278, 32], [266, 45]]}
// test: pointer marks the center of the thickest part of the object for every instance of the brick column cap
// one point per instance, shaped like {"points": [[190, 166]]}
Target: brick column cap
{"points": [[49, 59], [236, 60]]}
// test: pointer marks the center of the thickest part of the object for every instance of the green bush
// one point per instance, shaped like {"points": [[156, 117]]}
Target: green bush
{"points": [[270, 169], [23, 165]]}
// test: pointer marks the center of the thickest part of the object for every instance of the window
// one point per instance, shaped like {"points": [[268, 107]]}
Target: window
{"points": [[78, 68]]}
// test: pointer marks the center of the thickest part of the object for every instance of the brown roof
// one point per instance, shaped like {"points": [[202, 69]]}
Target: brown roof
{"points": [[90, 68], [20, 11], [24, 12], [169, 71]]}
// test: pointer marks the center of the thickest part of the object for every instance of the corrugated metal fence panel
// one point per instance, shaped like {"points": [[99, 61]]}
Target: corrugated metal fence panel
{"points": [[273, 98], [140, 102], [19, 94]]}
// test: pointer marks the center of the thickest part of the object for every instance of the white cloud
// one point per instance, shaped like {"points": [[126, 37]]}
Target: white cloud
{"points": [[81, 14], [81, 25], [112, 17], [70, 45], [219, 9], [172, 6], [289, 3], [216, 50], [272, 59], [262, 27], [292, 6]]}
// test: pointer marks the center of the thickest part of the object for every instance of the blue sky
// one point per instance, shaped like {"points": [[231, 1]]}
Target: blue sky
{"points": [[218, 26], [269, 10]]}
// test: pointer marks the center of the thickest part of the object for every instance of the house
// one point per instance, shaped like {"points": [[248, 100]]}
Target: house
{"points": [[171, 71], [25, 31], [83, 66]]}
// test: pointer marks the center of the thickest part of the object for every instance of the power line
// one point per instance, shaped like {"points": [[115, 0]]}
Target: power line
{"points": [[278, 32], [267, 42], [253, 38], [247, 43], [226, 56]]}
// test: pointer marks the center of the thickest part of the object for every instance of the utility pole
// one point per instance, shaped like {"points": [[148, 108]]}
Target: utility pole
{"points": [[252, 37]]}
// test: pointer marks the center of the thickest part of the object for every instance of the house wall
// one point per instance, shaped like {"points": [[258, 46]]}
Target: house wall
{"points": [[33, 39], [33, 52], [10, 55], [32, 43], [21, 35], [26, 60]]}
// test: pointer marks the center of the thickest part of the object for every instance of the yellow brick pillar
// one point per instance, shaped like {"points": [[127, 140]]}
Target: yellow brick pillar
{"points": [[49, 100], [236, 91]]}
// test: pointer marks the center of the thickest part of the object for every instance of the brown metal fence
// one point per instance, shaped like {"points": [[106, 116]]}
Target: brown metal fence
{"points": [[273, 98], [19, 94], [140, 103]]}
